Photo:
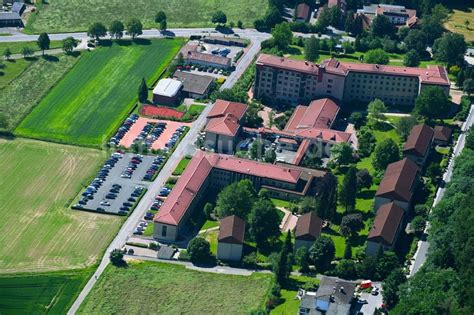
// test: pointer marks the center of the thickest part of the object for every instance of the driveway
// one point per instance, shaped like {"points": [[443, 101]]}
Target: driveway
{"points": [[374, 301]]}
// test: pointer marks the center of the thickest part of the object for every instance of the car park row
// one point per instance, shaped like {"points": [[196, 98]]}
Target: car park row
{"points": [[124, 128]]}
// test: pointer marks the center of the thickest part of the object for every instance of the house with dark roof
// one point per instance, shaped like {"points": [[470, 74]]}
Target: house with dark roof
{"points": [[223, 126], [308, 229], [398, 184], [334, 297], [230, 242], [386, 229], [442, 135], [419, 144], [194, 85], [302, 13], [18, 7], [10, 19], [214, 171]]}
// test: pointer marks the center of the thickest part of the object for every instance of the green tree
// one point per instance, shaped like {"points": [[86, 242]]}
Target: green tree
{"points": [[69, 43], [180, 59], [311, 49], [468, 86], [351, 224], [386, 152], [236, 198], [160, 16], [219, 17], [322, 253], [348, 190], [366, 141], [404, 126], [381, 26], [240, 24], [390, 287], [3, 121], [43, 41], [116, 29], [270, 155], [199, 250], [411, 59], [418, 224], [326, 196], [432, 103], [416, 40], [282, 268], [348, 250], [208, 209], [470, 138], [385, 264], [143, 92], [341, 153], [346, 269], [256, 150], [377, 56], [263, 222], [163, 25], [97, 30], [301, 257], [134, 27], [450, 48], [116, 257], [376, 109], [307, 204], [282, 35], [27, 52], [7, 53], [364, 179]]}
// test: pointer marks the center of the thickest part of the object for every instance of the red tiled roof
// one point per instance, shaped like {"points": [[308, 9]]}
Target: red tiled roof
{"points": [[301, 152], [302, 11], [419, 140], [398, 180], [286, 140], [308, 227], [195, 174], [162, 112], [221, 108], [319, 114], [231, 230], [386, 223], [442, 133], [227, 125], [431, 75], [287, 64]]}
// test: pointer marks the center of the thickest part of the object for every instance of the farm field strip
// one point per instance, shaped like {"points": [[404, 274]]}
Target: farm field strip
{"points": [[89, 103]]}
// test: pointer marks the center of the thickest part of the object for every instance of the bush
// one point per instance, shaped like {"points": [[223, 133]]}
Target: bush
{"points": [[116, 257], [199, 250], [154, 246], [250, 260], [184, 255]]}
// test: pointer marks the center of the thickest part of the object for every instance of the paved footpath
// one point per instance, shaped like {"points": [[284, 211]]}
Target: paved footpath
{"points": [[186, 146]]}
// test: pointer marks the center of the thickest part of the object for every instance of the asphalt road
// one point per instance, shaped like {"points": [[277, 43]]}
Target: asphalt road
{"points": [[186, 146], [420, 255]]}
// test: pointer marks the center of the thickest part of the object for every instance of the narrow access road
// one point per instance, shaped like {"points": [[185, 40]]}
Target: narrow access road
{"points": [[186, 146], [423, 245]]}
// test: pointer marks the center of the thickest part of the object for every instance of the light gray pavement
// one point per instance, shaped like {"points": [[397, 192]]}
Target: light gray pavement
{"points": [[186, 146], [423, 245]]}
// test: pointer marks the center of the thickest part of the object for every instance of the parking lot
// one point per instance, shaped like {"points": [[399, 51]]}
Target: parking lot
{"points": [[118, 184], [156, 141]]}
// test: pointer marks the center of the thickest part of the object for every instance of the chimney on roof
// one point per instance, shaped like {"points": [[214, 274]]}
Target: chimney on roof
{"points": [[306, 63]]}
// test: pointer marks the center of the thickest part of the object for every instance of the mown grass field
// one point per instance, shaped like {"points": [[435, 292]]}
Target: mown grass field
{"points": [[77, 15], [25, 83], [181, 166], [38, 230], [89, 103], [173, 289], [459, 16], [38, 293], [16, 47]]}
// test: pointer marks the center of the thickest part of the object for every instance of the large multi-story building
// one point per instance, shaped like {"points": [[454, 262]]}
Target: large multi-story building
{"points": [[294, 81], [215, 171], [397, 15]]}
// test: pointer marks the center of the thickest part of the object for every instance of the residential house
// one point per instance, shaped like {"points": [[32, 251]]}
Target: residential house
{"points": [[308, 229], [230, 242], [302, 12], [442, 135], [386, 229], [419, 144], [398, 184]]}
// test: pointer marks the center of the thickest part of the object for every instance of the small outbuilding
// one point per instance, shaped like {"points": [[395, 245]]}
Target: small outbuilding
{"points": [[10, 19], [308, 229], [231, 238], [167, 92], [442, 135]]}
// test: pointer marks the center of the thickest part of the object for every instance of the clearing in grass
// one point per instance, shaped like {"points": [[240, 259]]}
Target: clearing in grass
{"points": [[172, 289], [38, 230], [90, 102], [26, 82], [76, 15], [38, 293]]}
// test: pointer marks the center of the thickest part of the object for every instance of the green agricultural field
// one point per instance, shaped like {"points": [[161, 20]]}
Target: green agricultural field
{"points": [[173, 289], [38, 230], [38, 293], [77, 15], [16, 47], [91, 101], [26, 82]]}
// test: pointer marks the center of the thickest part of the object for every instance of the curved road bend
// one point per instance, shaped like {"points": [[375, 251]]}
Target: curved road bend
{"points": [[186, 146]]}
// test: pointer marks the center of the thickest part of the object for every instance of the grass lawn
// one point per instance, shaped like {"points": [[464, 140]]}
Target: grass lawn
{"points": [[173, 289], [193, 112], [181, 166], [456, 21], [280, 203], [39, 293], [209, 224], [77, 15], [211, 237], [16, 47], [290, 304], [38, 230], [149, 230], [89, 103], [38, 78]]}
